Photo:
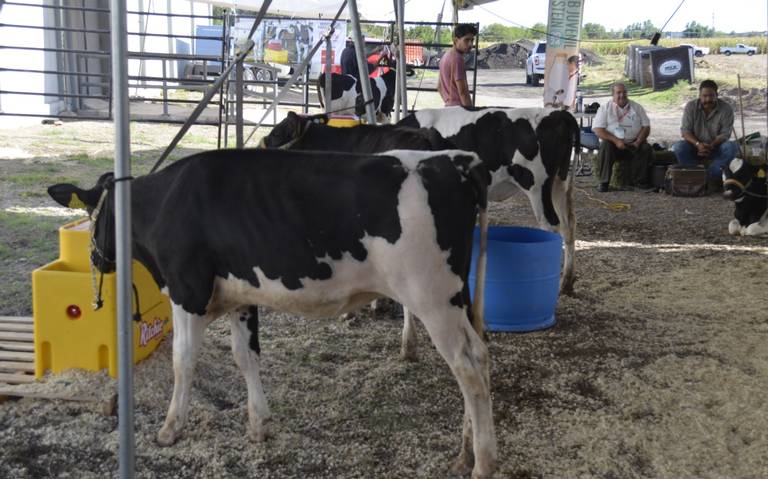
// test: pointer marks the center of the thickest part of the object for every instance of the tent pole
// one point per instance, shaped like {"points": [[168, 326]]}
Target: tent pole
{"points": [[119, 45], [328, 72], [362, 64], [401, 58]]}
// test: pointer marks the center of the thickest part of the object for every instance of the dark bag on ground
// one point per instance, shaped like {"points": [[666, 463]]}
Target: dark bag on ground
{"points": [[686, 180], [662, 159]]}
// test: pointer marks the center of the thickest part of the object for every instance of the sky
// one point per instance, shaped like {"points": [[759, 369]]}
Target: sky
{"points": [[729, 15]]}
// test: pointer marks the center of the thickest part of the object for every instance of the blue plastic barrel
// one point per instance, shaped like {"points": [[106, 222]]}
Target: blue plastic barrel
{"points": [[523, 278]]}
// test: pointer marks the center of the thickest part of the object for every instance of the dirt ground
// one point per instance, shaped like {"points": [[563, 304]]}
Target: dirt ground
{"points": [[656, 367]]}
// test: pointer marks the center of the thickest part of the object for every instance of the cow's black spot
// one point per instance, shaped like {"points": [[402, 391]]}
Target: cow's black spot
{"points": [[253, 327], [522, 176]]}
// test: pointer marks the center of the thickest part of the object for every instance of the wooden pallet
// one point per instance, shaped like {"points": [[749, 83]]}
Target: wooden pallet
{"points": [[17, 350]]}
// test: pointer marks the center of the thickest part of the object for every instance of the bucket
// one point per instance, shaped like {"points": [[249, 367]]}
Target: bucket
{"points": [[522, 280]]}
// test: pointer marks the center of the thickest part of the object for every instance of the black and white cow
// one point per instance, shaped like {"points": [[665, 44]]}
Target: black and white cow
{"points": [[311, 132], [745, 184], [532, 152], [311, 234], [526, 148], [347, 96]]}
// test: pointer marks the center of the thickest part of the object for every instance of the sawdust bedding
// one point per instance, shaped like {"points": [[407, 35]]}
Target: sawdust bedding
{"points": [[657, 367]]}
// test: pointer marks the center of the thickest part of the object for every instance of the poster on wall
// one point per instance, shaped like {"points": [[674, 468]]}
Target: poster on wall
{"points": [[285, 41], [563, 62]]}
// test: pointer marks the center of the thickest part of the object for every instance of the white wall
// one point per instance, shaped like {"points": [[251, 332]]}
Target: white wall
{"points": [[38, 60], [27, 59]]}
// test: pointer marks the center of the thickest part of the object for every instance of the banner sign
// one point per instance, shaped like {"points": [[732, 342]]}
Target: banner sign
{"points": [[288, 41], [562, 59], [670, 65]]}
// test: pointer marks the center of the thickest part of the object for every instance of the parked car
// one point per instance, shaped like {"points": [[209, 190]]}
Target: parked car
{"points": [[535, 63], [739, 48], [697, 50]]}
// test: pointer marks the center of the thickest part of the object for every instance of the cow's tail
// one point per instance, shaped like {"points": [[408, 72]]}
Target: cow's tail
{"points": [[321, 81], [478, 306], [569, 222]]}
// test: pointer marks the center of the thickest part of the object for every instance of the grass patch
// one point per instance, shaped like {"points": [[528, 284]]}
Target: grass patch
{"points": [[27, 242], [30, 179]]}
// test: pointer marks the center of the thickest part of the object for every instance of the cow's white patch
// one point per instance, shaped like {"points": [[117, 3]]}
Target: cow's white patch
{"points": [[735, 164]]}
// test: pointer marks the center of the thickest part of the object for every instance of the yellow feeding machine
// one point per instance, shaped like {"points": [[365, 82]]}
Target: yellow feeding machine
{"points": [[68, 332]]}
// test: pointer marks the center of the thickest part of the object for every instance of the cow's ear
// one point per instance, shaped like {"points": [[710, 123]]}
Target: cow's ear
{"points": [[71, 196]]}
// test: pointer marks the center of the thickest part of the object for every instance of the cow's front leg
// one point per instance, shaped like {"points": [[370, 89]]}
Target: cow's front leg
{"points": [[188, 331], [246, 350], [756, 228], [408, 344]]}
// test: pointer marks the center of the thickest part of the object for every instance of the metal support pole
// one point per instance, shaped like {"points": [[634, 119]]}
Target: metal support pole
{"points": [[239, 105], [119, 42], [165, 89], [305, 90], [401, 58], [362, 64], [328, 72]]}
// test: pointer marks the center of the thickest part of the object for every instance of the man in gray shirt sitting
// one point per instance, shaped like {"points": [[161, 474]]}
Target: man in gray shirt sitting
{"points": [[706, 127]]}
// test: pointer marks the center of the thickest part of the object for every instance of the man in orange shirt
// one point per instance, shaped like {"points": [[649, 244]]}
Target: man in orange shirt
{"points": [[452, 83]]}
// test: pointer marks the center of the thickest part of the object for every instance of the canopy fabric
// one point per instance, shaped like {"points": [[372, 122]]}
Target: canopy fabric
{"points": [[468, 4], [301, 8]]}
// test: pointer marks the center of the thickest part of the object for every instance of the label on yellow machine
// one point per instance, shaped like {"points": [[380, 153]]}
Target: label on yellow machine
{"points": [[68, 333]]}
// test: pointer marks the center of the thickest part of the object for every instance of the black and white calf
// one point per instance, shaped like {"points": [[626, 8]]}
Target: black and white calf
{"points": [[745, 184], [526, 148], [347, 96], [312, 234]]}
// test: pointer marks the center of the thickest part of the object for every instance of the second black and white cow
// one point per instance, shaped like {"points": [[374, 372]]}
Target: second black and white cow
{"points": [[347, 96], [526, 148], [311, 132], [745, 184], [312, 234]]}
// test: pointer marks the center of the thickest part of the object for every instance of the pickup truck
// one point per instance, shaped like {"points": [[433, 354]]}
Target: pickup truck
{"points": [[697, 50], [739, 48]]}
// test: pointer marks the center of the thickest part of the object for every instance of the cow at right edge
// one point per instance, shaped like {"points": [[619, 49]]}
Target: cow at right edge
{"points": [[745, 185]]}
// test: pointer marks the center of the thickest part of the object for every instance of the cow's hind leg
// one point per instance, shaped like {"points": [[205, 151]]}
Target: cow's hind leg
{"points": [[467, 356], [246, 350], [188, 331]]}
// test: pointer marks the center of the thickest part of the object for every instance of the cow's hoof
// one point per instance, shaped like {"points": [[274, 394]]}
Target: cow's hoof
{"points": [[409, 354], [260, 433], [166, 436], [463, 464]]}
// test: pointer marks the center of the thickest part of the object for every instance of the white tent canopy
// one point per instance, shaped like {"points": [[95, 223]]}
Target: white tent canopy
{"points": [[307, 8]]}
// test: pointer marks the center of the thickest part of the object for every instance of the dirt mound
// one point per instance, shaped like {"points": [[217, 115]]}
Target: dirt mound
{"points": [[753, 99], [503, 55], [508, 55]]}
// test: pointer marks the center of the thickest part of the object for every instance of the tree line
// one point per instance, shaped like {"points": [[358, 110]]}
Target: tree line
{"points": [[496, 32]]}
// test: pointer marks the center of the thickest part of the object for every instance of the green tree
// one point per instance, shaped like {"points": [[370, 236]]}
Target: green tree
{"points": [[698, 30], [639, 30], [593, 30], [538, 30]]}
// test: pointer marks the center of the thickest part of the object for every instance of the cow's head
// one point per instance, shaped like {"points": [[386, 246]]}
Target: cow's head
{"points": [[99, 203], [740, 177], [291, 129]]}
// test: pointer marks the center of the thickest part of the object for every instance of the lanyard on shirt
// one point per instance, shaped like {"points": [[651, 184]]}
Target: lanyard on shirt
{"points": [[623, 114]]}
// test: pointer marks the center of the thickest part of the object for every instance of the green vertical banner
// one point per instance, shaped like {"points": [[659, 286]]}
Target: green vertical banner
{"points": [[563, 60]]}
